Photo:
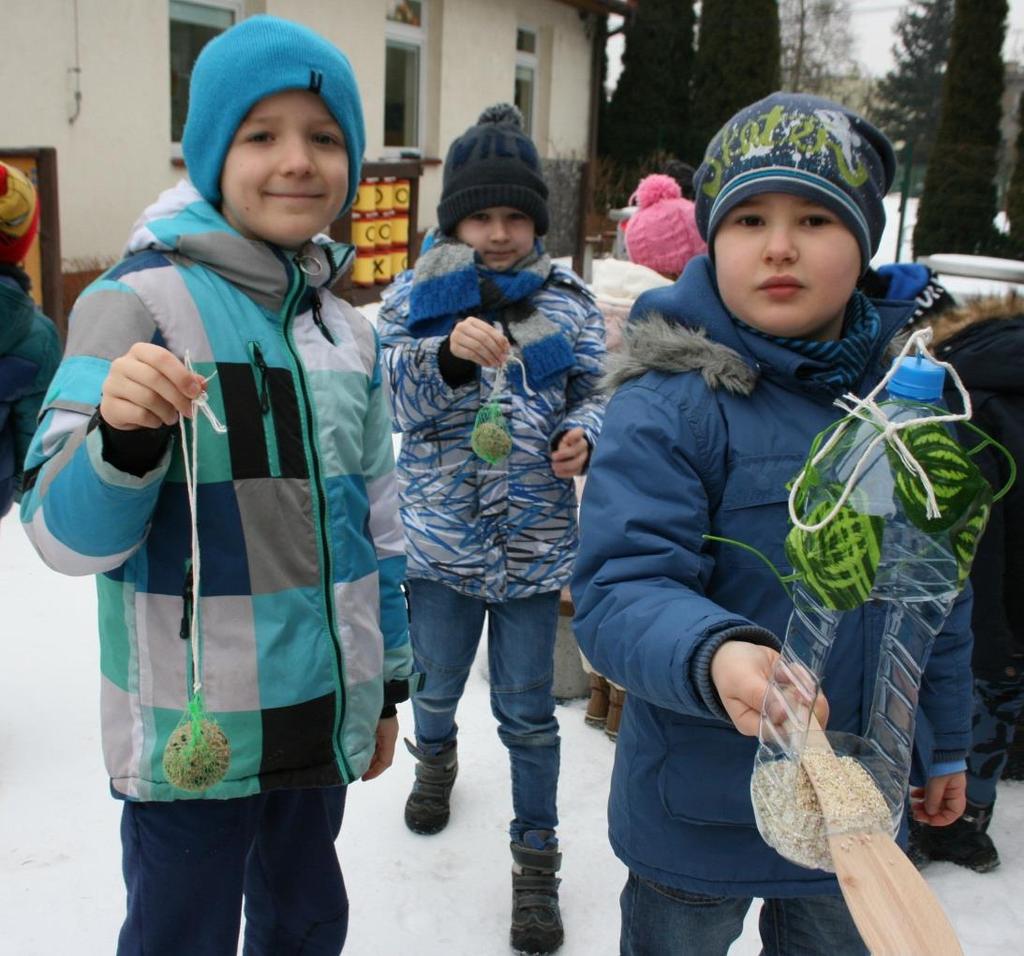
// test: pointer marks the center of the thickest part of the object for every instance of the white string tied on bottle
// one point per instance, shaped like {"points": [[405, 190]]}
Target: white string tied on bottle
{"points": [[199, 404], [869, 410]]}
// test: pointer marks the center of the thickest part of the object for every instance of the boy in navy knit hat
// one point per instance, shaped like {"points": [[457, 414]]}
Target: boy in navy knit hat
{"points": [[724, 380], [495, 535], [301, 636]]}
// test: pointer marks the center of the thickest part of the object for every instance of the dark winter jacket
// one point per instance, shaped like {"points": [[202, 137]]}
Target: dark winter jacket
{"points": [[29, 355], [985, 344], [706, 428]]}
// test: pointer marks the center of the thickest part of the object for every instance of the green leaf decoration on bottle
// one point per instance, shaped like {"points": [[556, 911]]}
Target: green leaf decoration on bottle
{"points": [[491, 440], [965, 537], [956, 480], [837, 562]]}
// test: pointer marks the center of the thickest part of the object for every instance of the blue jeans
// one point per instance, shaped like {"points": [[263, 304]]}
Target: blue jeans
{"points": [[445, 628], [661, 921], [188, 863]]}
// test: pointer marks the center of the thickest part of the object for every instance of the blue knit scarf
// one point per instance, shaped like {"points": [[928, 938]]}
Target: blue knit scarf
{"points": [[842, 362], [449, 283]]}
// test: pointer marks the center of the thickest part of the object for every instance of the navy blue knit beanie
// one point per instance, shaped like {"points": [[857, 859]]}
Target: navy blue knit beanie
{"points": [[805, 146], [493, 163], [257, 58]]}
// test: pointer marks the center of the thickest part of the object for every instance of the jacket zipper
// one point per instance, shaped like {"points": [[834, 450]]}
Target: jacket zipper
{"points": [[287, 315], [318, 318], [269, 435]]}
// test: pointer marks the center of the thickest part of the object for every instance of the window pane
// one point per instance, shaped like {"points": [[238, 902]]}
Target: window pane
{"points": [[406, 11], [202, 15], [193, 25], [526, 41], [524, 95], [401, 94]]}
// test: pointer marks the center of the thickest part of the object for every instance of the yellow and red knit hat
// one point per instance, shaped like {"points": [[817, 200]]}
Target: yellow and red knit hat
{"points": [[19, 214]]}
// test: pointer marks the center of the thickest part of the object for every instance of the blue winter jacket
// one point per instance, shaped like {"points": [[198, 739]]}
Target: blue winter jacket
{"points": [[707, 427]]}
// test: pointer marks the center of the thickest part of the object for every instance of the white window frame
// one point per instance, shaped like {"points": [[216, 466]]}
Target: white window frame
{"points": [[407, 35], [235, 6], [530, 61]]}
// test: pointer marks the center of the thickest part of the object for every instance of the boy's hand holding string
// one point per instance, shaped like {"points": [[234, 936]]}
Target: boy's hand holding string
{"points": [[148, 387], [480, 342]]}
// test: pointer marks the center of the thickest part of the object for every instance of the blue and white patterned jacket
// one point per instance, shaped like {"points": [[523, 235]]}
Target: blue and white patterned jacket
{"points": [[497, 532]]}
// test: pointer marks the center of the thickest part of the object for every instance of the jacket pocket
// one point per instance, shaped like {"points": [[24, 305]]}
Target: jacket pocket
{"points": [[754, 511], [705, 776]]}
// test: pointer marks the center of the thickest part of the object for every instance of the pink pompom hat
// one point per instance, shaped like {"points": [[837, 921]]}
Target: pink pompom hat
{"points": [[662, 234]]}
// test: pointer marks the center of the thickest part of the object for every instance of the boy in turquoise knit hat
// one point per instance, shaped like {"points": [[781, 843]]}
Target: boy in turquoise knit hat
{"points": [[224, 298]]}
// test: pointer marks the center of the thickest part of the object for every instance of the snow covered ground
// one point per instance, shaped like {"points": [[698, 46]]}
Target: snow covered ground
{"points": [[447, 895]]}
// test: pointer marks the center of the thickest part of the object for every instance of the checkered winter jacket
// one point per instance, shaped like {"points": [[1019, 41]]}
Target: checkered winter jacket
{"points": [[303, 621]]}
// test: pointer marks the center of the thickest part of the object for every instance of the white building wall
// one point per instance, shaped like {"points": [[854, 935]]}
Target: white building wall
{"points": [[117, 156]]}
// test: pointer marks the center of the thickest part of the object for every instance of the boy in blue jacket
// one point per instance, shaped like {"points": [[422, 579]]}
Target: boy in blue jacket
{"points": [[726, 378], [304, 630]]}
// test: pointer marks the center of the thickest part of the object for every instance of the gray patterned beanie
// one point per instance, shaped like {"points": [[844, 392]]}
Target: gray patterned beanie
{"points": [[804, 146], [493, 163]]}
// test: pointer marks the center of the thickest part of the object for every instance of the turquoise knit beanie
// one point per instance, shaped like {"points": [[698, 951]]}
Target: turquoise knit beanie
{"points": [[257, 58]]}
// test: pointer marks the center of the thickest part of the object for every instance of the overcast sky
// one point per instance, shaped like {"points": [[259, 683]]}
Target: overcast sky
{"points": [[873, 23]]}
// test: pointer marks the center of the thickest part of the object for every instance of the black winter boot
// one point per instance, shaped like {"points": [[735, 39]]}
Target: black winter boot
{"points": [[964, 842], [536, 919], [427, 809]]}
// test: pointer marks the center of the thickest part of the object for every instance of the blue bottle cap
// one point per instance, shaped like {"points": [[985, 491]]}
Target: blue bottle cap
{"points": [[918, 378]]}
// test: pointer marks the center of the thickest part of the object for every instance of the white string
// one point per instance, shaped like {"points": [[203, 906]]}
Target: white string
{"points": [[867, 409], [500, 375], [200, 404]]}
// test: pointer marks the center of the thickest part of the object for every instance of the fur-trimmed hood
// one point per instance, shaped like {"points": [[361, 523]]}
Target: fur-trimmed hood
{"points": [[984, 341], [949, 324], [653, 342]]}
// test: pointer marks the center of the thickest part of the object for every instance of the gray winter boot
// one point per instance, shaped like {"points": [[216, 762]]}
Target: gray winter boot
{"points": [[536, 919], [427, 810]]}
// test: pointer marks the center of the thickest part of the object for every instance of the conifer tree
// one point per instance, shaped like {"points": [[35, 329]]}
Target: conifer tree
{"points": [[650, 108], [910, 95], [737, 63], [959, 200]]}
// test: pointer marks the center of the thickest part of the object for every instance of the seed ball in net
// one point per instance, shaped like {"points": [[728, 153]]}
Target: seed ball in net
{"points": [[491, 441], [199, 764]]}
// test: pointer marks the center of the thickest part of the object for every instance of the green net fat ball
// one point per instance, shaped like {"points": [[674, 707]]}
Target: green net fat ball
{"points": [[491, 441], [197, 763]]}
